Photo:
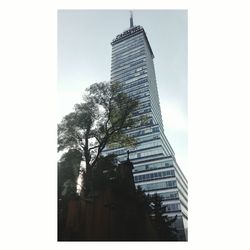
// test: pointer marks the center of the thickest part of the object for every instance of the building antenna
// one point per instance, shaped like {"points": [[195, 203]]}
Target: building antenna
{"points": [[131, 19]]}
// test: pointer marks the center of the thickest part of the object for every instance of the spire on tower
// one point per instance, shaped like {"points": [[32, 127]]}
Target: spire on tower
{"points": [[131, 19]]}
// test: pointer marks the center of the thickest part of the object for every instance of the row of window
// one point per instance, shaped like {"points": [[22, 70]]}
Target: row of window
{"points": [[147, 131], [127, 58], [121, 70], [182, 176], [133, 62], [141, 146], [142, 97], [124, 55], [153, 176], [144, 139], [155, 129], [148, 138], [152, 166], [127, 41], [149, 144], [137, 156], [127, 48], [169, 195], [173, 207], [183, 202], [156, 108], [180, 186], [156, 116], [133, 80], [130, 70], [138, 120], [144, 105], [119, 63], [135, 93], [115, 63], [136, 83], [142, 132], [135, 36], [128, 64], [183, 195], [141, 111], [158, 185], [128, 76], [182, 182]]}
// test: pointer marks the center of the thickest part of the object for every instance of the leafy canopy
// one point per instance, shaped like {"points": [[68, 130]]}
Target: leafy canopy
{"points": [[99, 121]]}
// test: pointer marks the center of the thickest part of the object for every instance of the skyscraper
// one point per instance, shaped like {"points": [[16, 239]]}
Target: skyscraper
{"points": [[155, 166]]}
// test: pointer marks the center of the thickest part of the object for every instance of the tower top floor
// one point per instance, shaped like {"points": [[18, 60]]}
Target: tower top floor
{"points": [[131, 32]]}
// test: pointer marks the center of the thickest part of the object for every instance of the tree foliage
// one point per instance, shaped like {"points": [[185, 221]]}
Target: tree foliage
{"points": [[68, 172], [153, 205], [99, 121], [163, 224]]}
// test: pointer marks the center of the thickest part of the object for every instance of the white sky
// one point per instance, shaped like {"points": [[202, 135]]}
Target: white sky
{"points": [[84, 57]]}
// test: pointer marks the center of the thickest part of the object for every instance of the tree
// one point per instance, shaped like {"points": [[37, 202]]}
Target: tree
{"points": [[163, 224], [105, 173], [153, 206], [99, 121], [68, 171]]}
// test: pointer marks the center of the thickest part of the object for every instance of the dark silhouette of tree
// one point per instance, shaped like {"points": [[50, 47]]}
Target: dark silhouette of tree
{"points": [[68, 171], [104, 173], [97, 122], [153, 206], [144, 200], [137, 216], [163, 224]]}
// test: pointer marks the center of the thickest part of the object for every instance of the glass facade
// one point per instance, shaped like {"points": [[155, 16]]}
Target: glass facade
{"points": [[155, 167]]}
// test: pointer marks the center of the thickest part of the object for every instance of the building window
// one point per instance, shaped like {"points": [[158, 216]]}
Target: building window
{"points": [[156, 129]]}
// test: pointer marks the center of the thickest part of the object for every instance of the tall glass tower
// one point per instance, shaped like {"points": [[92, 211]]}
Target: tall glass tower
{"points": [[155, 166]]}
